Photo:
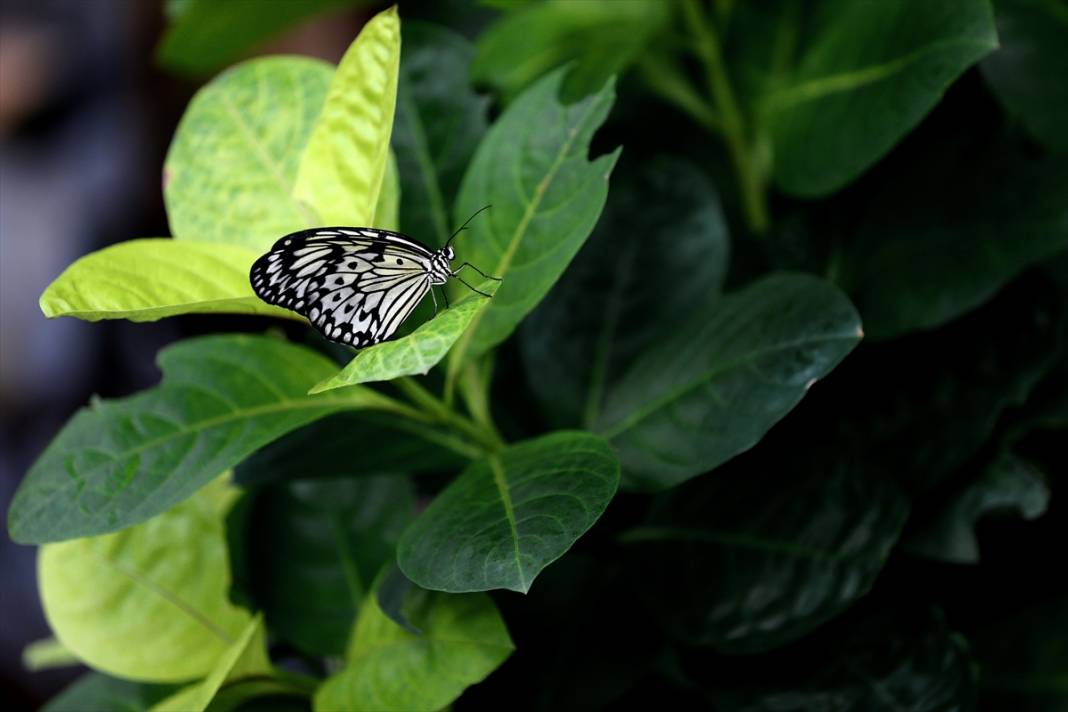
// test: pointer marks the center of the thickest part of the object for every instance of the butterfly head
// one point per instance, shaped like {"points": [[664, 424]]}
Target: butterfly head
{"points": [[449, 253]]}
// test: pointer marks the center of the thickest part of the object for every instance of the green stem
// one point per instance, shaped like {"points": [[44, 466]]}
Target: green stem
{"points": [[475, 381], [732, 123], [436, 409]]}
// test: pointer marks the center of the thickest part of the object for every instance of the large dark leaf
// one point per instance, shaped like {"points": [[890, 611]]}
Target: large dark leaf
{"points": [[101, 693]]}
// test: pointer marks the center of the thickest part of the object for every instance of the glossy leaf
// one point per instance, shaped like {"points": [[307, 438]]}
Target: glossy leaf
{"points": [[101, 693], [508, 516], [342, 168], [600, 38], [208, 34], [120, 462], [315, 549], [532, 167], [843, 81], [432, 153], [145, 280], [164, 580], [416, 353], [711, 388], [389, 668], [1025, 72], [585, 333], [760, 555], [232, 164]]}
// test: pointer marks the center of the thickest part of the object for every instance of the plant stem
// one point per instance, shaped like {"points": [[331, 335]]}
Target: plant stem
{"points": [[474, 386], [732, 124], [487, 438]]}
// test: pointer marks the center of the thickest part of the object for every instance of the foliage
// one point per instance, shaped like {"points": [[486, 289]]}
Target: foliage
{"points": [[737, 429]]}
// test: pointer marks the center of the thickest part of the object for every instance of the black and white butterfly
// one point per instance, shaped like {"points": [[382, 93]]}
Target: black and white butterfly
{"points": [[356, 285]]}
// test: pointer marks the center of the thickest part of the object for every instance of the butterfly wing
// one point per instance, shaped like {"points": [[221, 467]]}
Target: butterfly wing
{"points": [[355, 285]]}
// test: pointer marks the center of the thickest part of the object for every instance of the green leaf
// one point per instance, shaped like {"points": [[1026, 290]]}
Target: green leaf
{"points": [[209, 34], [389, 668], [101, 693], [119, 462], [316, 547], [1026, 72], [414, 354], [532, 167], [977, 215], [387, 210], [108, 598], [508, 516], [343, 165], [148, 279], [47, 654], [760, 555], [843, 82], [718, 382], [600, 37], [581, 339], [432, 153], [245, 657], [1008, 484], [231, 167]]}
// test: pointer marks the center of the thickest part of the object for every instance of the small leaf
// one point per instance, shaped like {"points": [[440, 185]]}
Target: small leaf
{"points": [[845, 81], [389, 668], [148, 279], [209, 34], [508, 516], [106, 598], [532, 167], [713, 387], [101, 693], [342, 168], [231, 167], [117, 463], [431, 153], [1026, 71], [581, 338], [414, 354], [47, 654]]}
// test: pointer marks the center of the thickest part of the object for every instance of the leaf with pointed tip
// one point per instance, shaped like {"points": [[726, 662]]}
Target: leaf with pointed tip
{"points": [[342, 168], [508, 516], [232, 164], [121, 462]]}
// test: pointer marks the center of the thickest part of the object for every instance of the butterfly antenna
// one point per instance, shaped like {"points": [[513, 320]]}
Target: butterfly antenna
{"points": [[464, 226]]}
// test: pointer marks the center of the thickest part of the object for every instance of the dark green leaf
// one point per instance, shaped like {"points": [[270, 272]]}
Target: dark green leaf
{"points": [[835, 84], [120, 462], [440, 120], [1009, 484], [208, 34], [532, 167], [626, 289], [101, 693], [392, 593], [764, 552], [508, 516], [1028, 69], [316, 547], [714, 386], [601, 37]]}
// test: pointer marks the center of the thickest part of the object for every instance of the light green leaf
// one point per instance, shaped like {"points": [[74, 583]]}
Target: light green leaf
{"points": [[148, 279], [1028, 69], [415, 353], [432, 154], [388, 668], [100, 693], [713, 388], [120, 462], [546, 194], [343, 165], [844, 81], [508, 516], [147, 603], [245, 657], [47, 654], [387, 210], [208, 34], [231, 168]]}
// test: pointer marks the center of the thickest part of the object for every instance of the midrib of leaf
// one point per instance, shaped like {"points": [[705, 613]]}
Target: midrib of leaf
{"points": [[509, 513], [847, 81], [352, 576], [658, 403], [775, 546], [426, 166]]}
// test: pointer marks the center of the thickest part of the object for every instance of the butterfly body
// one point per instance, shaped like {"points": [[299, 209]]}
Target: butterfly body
{"points": [[356, 285]]}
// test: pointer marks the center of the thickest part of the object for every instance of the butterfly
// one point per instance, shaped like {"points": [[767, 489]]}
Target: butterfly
{"points": [[356, 285]]}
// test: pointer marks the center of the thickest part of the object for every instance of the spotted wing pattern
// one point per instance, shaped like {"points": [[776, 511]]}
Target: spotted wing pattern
{"points": [[355, 285]]}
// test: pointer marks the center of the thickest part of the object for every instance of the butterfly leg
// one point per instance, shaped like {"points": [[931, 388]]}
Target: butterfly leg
{"points": [[468, 264], [432, 296], [476, 291]]}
